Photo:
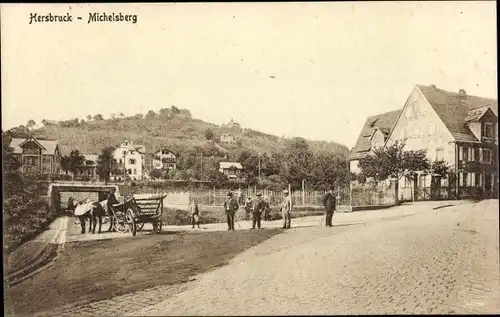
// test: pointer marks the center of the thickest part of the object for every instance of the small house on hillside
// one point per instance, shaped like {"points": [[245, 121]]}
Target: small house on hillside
{"points": [[232, 170], [130, 159], [164, 159], [228, 137], [37, 156]]}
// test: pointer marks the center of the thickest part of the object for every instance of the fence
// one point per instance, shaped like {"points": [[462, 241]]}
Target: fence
{"points": [[346, 197], [381, 195]]}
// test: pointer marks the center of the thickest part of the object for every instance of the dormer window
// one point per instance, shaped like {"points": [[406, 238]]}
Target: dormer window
{"points": [[488, 130], [372, 123]]}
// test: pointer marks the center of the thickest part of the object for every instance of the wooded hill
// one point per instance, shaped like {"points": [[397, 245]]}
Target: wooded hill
{"points": [[170, 127]]}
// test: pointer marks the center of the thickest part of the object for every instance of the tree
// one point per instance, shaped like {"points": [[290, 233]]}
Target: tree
{"points": [[328, 170], [106, 163], [150, 115], [122, 115], [138, 116], [393, 162], [11, 176], [65, 164], [297, 162], [31, 123], [45, 122], [155, 173], [76, 161], [440, 168], [209, 134], [89, 117], [98, 117]]}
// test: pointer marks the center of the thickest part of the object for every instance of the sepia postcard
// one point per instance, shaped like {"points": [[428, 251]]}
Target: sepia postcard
{"points": [[248, 158]]}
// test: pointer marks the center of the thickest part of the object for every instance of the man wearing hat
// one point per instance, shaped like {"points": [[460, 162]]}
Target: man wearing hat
{"points": [[329, 202], [231, 207], [258, 210], [286, 210]]}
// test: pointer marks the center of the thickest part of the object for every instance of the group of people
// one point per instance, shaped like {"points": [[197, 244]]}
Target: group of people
{"points": [[261, 207], [257, 208]]}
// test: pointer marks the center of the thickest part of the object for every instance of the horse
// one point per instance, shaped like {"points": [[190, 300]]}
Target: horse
{"points": [[94, 211]]}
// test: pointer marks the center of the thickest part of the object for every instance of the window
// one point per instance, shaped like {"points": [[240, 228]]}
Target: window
{"points": [[131, 161], [120, 161], [476, 154], [416, 131], [488, 130], [463, 179], [477, 179], [124, 152], [465, 154], [129, 171], [135, 171], [486, 156], [439, 154], [432, 129]]}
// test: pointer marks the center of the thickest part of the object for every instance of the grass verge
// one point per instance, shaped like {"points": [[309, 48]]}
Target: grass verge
{"points": [[98, 270]]}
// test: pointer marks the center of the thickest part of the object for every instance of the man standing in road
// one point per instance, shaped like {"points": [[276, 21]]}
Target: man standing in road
{"points": [[330, 204], [257, 211], [248, 207], [267, 209], [231, 207], [286, 210], [111, 200], [195, 214]]}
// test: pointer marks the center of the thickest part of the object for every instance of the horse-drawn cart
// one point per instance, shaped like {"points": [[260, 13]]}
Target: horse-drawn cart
{"points": [[133, 213]]}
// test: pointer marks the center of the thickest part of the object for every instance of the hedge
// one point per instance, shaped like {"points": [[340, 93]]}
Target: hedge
{"points": [[24, 217]]}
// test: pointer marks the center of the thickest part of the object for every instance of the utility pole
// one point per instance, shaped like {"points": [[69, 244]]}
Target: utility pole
{"points": [[303, 192], [259, 167], [201, 167]]}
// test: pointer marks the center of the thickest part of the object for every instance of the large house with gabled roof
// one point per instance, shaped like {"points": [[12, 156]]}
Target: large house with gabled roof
{"points": [[457, 128], [37, 156]]}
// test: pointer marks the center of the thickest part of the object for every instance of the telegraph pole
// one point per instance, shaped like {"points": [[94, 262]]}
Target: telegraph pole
{"points": [[259, 167], [201, 167]]}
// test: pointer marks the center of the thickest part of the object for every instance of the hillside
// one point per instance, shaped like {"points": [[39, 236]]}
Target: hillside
{"points": [[171, 127]]}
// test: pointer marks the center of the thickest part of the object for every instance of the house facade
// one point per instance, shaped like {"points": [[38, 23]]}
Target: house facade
{"points": [[164, 159], [373, 135], [89, 166], [228, 138], [232, 170], [456, 128], [37, 156], [130, 159]]}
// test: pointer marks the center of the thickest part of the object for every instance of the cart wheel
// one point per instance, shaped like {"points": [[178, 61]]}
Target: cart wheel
{"points": [[120, 225], [140, 226], [131, 221]]}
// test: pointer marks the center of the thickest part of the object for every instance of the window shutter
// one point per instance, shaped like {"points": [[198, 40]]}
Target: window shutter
{"points": [[460, 153], [472, 179], [460, 179], [472, 154], [480, 155]]}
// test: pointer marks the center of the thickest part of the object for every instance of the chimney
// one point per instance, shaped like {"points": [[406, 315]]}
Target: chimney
{"points": [[433, 86]]}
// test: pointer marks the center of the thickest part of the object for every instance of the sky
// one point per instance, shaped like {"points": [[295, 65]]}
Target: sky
{"points": [[314, 70]]}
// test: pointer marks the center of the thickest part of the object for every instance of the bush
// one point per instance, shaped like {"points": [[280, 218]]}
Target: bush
{"points": [[24, 217]]}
